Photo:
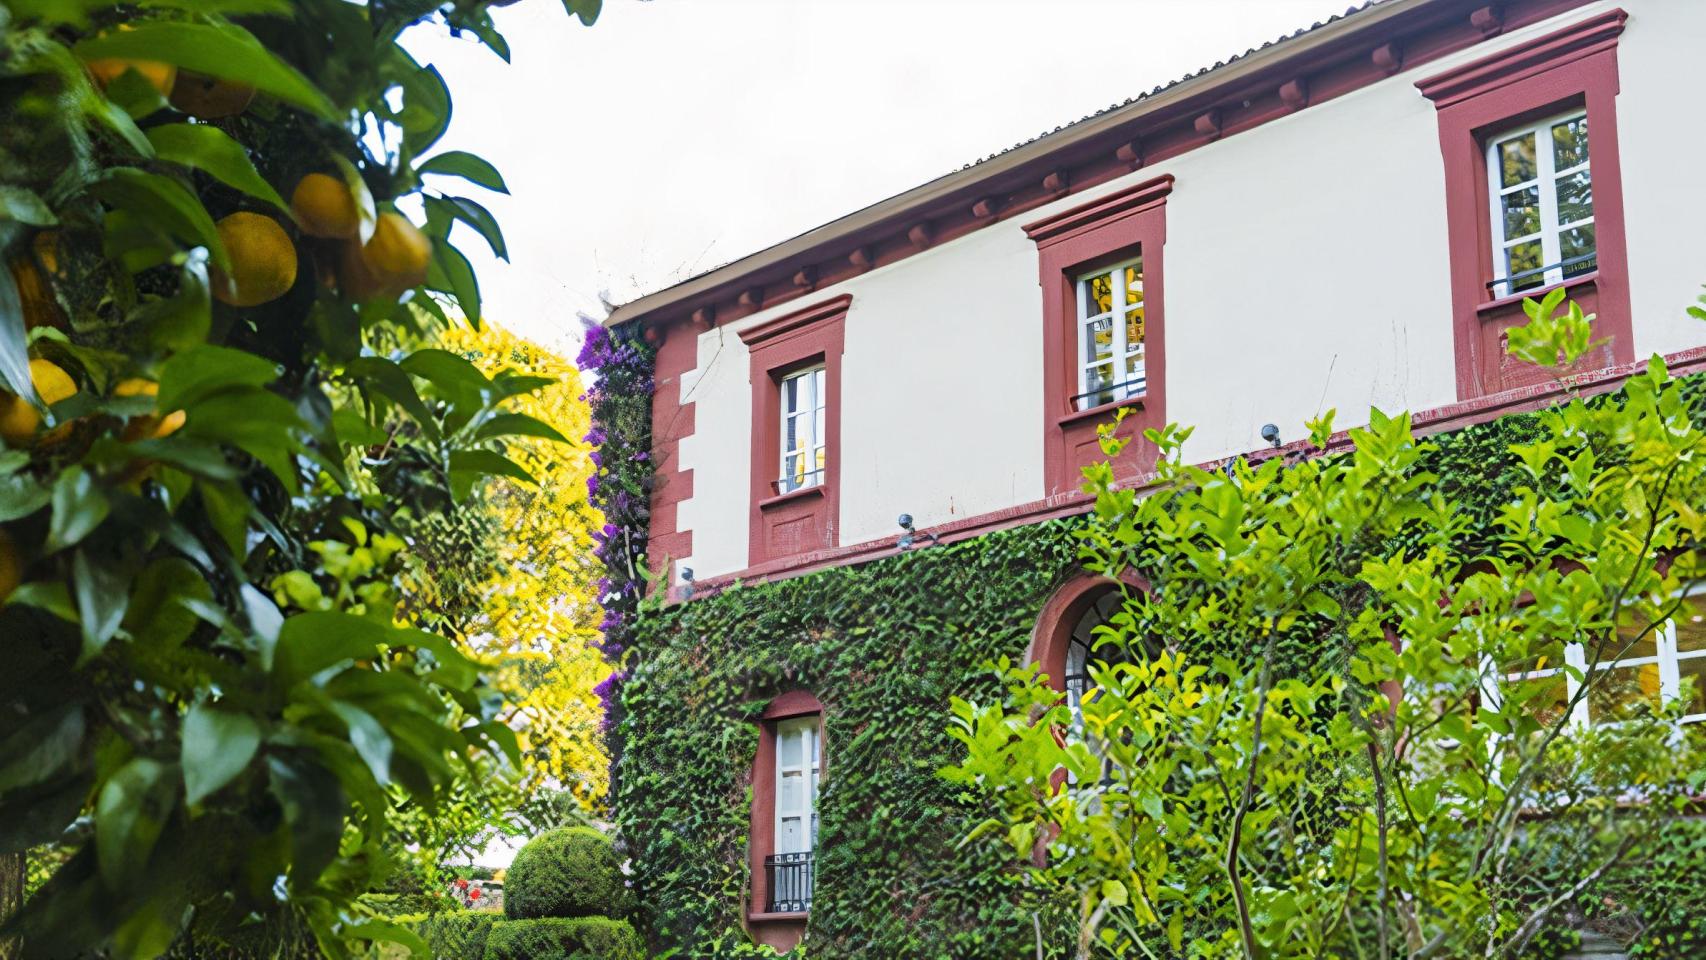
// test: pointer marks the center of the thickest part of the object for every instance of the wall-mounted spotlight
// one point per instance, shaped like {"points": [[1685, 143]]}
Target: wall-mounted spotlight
{"points": [[1270, 433], [687, 581], [911, 537]]}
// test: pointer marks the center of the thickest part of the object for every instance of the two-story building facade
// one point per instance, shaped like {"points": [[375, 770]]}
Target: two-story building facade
{"points": [[1347, 218]]}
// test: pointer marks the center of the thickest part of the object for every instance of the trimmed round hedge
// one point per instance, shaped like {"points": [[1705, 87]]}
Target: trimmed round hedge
{"points": [[567, 872], [564, 938]]}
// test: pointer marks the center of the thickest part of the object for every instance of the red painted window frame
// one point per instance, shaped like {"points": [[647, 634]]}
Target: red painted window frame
{"points": [[1574, 66], [781, 931], [802, 338], [1102, 232]]}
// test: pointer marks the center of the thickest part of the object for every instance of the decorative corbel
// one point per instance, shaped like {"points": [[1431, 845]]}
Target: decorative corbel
{"points": [[1208, 125], [1130, 153], [983, 209], [806, 278], [1055, 183], [862, 258], [920, 234], [1294, 93], [1488, 19], [752, 298], [706, 316], [1389, 57]]}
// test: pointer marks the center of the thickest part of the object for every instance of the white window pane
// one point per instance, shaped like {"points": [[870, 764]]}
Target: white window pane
{"points": [[1516, 160], [1694, 669], [1134, 330], [1521, 212], [791, 792], [1570, 143], [1522, 264], [1098, 339], [1691, 625], [791, 837], [1134, 284], [1099, 293], [819, 391], [1577, 250], [1575, 197], [790, 394], [790, 747], [1622, 691]]}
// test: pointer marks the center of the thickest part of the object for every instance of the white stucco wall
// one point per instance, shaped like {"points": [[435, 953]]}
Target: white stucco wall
{"points": [[1306, 269]]}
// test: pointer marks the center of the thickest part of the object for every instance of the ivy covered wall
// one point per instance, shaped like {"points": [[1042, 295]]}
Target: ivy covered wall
{"points": [[883, 646]]}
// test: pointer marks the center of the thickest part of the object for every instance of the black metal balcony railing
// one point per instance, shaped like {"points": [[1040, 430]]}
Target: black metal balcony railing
{"points": [[789, 880]]}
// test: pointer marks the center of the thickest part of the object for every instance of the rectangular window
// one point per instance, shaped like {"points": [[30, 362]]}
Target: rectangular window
{"points": [[1650, 673], [804, 439], [1110, 335], [790, 868], [1541, 183]]}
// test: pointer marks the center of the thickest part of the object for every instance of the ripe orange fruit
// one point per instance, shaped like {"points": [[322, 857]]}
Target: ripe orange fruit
{"points": [[159, 75], [398, 251], [19, 419], [35, 291], [150, 426], [393, 261], [324, 207], [263, 260], [11, 566], [209, 98]]}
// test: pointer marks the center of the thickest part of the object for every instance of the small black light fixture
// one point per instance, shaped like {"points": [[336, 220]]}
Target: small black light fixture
{"points": [[1270, 433], [911, 537], [687, 583]]}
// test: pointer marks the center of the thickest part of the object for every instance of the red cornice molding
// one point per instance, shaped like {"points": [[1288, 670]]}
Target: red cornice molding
{"points": [[1574, 42], [1265, 86], [1088, 216], [789, 323], [1454, 416]]}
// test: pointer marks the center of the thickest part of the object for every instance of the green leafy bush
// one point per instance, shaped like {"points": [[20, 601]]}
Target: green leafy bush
{"points": [[567, 872], [564, 938]]}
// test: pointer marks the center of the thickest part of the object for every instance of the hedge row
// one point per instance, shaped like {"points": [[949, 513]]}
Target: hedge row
{"points": [[474, 935]]}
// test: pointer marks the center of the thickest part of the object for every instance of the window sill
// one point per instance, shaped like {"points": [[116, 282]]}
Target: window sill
{"points": [[760, 917], [1105, 410], [1502, 304], [804, 493]]}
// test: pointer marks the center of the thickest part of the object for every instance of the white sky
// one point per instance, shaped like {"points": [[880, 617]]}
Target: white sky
{"points": [[675, 135]]}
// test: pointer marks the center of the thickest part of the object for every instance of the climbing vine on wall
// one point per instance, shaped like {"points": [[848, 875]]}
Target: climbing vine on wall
{"points": [[883, 646]]}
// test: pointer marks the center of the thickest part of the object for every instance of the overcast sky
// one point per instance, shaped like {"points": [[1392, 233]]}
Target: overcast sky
{"points": [[675, 135]]}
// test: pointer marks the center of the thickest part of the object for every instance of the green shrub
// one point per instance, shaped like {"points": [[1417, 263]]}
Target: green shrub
{"points": [[454, 934], [564, 938], [567, 872]]}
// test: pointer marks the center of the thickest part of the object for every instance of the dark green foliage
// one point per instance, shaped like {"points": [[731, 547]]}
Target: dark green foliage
{"points": [[1664, 890], [883, 646], [564, 938], [567, 872]]}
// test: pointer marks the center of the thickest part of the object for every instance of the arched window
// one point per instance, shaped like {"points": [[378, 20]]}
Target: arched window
{"points": [[1069, 638]]}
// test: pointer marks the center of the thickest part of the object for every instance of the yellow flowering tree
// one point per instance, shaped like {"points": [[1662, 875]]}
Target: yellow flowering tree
{"points": [[535, 612]]}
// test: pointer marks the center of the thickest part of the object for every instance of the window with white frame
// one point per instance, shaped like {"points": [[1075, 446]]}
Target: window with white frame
{"points": [[798, 762], [1650, 673], [1541, 184], [1110, 335], [804, 443]]}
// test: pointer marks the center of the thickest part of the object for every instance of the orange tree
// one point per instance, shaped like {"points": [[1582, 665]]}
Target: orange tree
{"points": [[214, 455]]}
